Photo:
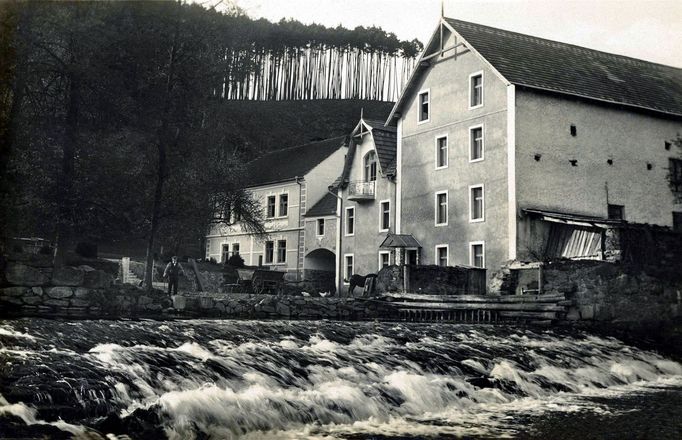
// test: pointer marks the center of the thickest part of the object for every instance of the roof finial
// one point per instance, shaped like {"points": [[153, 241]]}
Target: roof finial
{"points": [[442, 8], [362, 111]]}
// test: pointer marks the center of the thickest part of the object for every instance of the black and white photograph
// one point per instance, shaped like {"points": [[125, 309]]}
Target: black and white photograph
{"points": [[341, 219]]}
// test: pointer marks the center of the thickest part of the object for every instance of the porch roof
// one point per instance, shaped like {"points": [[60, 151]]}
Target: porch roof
{"points": [[400, 241], [572, 219]]}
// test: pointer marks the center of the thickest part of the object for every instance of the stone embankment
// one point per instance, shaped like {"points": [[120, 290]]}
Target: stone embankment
{"points": [[31, 286], [251, 306]]}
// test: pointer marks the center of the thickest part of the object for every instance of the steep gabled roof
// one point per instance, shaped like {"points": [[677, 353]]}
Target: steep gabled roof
{"points": [[289, 163], [561, 68], [385, 142], [324, 207], [385, 145]]}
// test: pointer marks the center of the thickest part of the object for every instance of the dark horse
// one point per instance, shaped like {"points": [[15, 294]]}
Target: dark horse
{"points": [[358, 280]]}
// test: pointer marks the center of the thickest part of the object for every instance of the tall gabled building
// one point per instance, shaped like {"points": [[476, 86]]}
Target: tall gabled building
{"points": [[512, 146], [367, 202], [286, 182]]}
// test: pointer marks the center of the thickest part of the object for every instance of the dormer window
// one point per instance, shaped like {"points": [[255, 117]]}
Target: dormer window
{"points": [[370, 166], [476, 90], [424, 106]]}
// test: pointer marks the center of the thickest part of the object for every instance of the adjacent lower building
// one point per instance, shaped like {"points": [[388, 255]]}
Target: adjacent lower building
{"points": [[285, 182]]}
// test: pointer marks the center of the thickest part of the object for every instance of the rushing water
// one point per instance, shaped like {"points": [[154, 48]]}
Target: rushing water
{"points": [[278, 379]]}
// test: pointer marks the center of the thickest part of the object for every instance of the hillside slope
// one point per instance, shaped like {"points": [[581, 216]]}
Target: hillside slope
{"points": [[261, 126]]}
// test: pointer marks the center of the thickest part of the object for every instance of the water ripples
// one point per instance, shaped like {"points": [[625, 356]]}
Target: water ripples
{"points": [[255, 379]]}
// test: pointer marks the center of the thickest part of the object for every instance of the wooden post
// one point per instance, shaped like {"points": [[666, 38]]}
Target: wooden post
{"points": [[200, 283], [125, 269]]}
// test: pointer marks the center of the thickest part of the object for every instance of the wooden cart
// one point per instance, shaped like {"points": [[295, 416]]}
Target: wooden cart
{"points": [[261, 280]]}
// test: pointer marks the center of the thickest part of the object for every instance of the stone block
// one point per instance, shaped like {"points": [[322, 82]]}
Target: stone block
{"points": [[14, 291], [32, 300], [37, 290], [587, 312], [97, 279], [80, 302], [206, 303], [179, 302], [283, 309], [23, 275], [144, 300], [68, 276], [153, 307], [56, 302], [60, 292], [11, 299], [81, 292]]}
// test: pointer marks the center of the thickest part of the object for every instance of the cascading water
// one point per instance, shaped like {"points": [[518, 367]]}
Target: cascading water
{"points": [[276, 379]]}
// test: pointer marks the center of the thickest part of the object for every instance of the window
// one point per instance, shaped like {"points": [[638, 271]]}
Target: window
{"points": [[283, 205], [476, 143], [616, 212], [269, 251], [208, 249], [320, 226], [677, 221], [675, 174], [441, 152], [235, 249], [281, 251], [384, 259], [350, 221], [385, 222], [442, 255], [441, 208], [226, 252], [370, 166], [476, 203], [347, 267], [477, 254], [475, 90], [424, 103], [271, 207]]}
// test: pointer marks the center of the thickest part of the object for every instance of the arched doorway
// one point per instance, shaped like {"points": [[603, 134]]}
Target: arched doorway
{"points": [[320, 269]]}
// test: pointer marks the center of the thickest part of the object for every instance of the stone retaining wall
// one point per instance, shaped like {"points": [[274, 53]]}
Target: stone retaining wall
{"points": [[604, 291], [251, 306], [31, 286], [432, 280]]}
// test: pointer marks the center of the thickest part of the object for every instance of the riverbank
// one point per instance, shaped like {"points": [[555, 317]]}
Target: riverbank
{"points": [[301, 379]]}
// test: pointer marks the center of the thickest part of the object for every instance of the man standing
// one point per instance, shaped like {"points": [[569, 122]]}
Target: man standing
{"points": [[172, 273]]}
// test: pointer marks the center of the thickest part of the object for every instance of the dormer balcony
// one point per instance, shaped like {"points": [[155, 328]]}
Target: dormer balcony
{"points": [[360, 190]]}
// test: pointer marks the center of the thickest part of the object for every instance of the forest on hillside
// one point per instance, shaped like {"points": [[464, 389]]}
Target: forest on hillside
{"points": [[116, 118]]}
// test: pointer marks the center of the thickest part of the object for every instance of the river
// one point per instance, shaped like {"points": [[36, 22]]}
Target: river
{"points": [[224, 379]]}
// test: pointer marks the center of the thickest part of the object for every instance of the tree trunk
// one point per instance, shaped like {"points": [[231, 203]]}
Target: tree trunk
{"points": [[65, 215]]}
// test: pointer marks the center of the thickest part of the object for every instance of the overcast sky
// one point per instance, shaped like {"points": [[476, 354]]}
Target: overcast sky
{"points": [[647, 29]]}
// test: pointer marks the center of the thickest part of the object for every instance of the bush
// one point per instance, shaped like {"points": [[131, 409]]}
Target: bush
{"points": [[86, 249], [235, 261]]}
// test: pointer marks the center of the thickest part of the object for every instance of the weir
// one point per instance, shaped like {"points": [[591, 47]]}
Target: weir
{"points": [[485, 309]]}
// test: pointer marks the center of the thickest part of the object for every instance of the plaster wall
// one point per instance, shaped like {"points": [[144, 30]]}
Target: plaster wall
{"points": [[319, 178], [367, 236], [279, 228], [326, 241], [448, 82], [630, 140]]}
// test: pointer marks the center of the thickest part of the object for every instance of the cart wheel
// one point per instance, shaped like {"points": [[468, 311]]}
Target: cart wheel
{"points": [[258, 286]]}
